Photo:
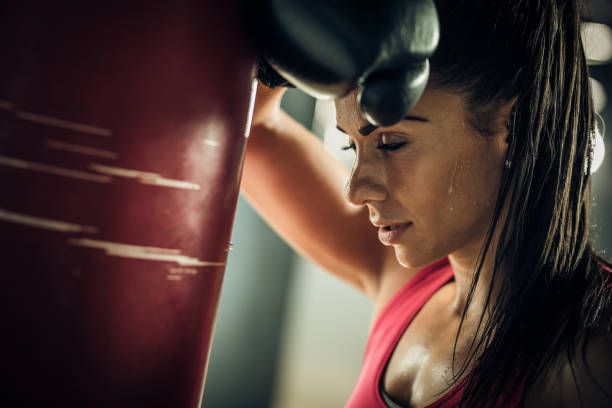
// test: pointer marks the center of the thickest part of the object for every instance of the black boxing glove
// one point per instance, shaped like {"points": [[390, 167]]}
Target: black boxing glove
{"points": [[269, 76], [329, 47]]}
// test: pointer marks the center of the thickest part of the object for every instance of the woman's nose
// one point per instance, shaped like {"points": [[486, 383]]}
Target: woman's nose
{"points": [[365, 184]]}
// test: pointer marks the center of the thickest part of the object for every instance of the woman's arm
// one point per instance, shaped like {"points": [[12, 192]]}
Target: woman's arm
{"points": [[298, 187]]}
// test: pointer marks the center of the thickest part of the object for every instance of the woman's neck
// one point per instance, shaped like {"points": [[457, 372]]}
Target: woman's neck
{"points": [[465, 264]]}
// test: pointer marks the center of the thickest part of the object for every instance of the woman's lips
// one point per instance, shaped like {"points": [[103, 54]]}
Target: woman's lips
{"points": [[390, 234]]}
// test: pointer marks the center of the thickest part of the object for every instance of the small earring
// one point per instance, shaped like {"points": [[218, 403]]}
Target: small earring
{"points": [[508, 164]]}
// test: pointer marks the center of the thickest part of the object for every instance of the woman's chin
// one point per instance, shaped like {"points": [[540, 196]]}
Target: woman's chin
{"points": [[411, 259]]}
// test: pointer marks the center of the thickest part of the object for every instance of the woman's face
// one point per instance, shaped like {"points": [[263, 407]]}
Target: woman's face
{"points": [[430, 182]]}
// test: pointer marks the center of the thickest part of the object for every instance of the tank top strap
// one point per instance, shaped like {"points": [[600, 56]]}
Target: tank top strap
{"points": [[389, 326]]}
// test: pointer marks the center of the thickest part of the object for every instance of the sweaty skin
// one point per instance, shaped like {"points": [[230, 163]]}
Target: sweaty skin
{"points": [[440, 176]]}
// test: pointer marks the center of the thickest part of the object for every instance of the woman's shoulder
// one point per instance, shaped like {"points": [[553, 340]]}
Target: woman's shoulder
{"points": [[585, 381]]}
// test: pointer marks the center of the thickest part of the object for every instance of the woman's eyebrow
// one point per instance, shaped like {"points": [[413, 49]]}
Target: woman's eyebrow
{"points": [[369, 128], [415, 118]]}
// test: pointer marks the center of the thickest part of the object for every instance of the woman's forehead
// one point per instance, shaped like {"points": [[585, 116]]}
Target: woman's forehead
{"points": [[436, 104], [347, 110]]}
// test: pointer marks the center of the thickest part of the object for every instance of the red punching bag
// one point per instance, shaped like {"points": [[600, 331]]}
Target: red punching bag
{"points": [[122, 132]]}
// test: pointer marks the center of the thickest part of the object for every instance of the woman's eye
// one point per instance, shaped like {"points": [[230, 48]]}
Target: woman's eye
{"points": [[388, 147], [350, 146]]}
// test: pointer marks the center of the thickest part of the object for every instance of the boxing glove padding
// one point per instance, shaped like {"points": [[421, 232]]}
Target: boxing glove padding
{"points": [[386, 96], [313, 45], [329, 47], [270, 77]]}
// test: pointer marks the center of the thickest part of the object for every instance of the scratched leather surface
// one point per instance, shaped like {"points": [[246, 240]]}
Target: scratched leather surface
{"points": [[120, 158]]}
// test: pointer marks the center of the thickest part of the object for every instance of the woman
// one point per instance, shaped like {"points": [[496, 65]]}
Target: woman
{"points": [[486, 289]]}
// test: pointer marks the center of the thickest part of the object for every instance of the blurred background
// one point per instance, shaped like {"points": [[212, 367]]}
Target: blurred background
{"points": [[288, 334]]}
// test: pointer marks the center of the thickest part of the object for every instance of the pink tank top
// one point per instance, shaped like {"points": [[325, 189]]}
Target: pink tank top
{"points": [[388, 329], [386, 333]]}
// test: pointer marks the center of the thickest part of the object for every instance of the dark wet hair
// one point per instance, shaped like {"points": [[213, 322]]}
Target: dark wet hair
{"points": [[552, 289]]}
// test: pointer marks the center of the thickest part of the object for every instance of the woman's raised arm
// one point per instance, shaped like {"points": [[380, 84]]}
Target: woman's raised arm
{"points": [[298, 187]]}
